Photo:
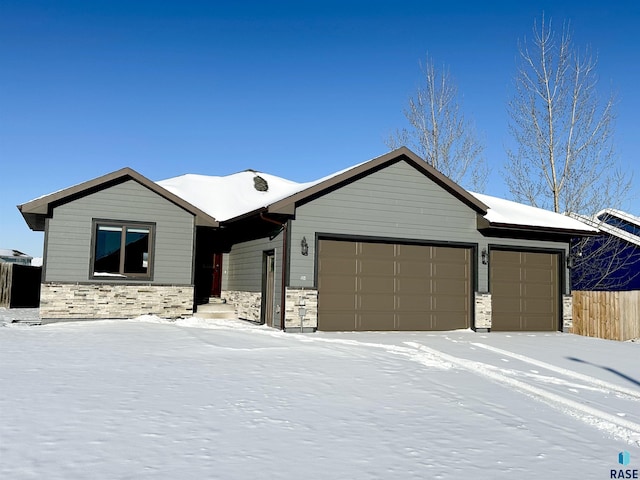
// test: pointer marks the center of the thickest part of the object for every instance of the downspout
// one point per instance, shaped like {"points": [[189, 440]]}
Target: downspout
{"points": [[283, 288]]}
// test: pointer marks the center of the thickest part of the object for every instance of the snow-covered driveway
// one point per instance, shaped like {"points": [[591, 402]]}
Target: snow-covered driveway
{"points": [[159, 400]]}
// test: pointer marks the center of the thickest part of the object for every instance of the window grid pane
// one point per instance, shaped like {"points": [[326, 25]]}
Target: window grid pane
{"points": [[136, 251], [108, 246]]}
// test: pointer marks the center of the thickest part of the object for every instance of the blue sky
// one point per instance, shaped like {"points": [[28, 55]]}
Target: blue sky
{"points": [[298, 89]]}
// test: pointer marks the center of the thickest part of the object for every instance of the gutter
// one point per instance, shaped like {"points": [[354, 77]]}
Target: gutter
{"points": [[285, 260]]}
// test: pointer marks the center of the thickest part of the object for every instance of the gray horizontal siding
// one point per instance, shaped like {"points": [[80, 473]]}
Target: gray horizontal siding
{"points": [[396, 202], [242, 269], [69, 233], [242, 266]]}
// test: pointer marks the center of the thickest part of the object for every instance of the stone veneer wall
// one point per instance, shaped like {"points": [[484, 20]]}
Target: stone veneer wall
{"points": [[567, 313], [483, 310], [248, 304], [98, 301], [292, 311]]}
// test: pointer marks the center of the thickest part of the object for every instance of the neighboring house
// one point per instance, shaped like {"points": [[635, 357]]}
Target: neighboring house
{"points": [[611, 260], [389, 244], [14, 256], [19, 280]]}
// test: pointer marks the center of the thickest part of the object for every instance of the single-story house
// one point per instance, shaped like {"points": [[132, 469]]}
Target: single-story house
{"points": [[609, 261], [388, 244]]}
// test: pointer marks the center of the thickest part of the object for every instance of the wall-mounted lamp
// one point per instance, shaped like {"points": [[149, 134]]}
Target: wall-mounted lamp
{"points": [[304, 246], [573, 257], [485, 256]]}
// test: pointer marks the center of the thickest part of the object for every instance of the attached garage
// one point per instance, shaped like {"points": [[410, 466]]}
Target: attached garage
{"points": [[525, 290], [393, 286]]}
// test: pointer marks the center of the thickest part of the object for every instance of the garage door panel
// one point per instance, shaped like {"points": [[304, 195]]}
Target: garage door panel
{"points": [[510, 323], [338, 266], [538, 291], [376, 284], [541, 306], [374, 267], [409, 269], [340, 301], [533, 259], [375, 302], [375, 250], [446, 286], [413, 303], [445, 322], [411, 251], [338, 321], [337, 283], [413, 321], [337, 248], [451, 271], [397, 286], [538, 275], [376, 321], [448, 254], [412, 286]]}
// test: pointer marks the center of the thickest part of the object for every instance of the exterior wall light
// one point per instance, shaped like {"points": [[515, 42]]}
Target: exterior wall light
{"points": [[485, 256], [304, 246]]}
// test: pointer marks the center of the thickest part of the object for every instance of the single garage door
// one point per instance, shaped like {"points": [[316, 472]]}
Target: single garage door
{"points": [[525, 291], [386, 286]]}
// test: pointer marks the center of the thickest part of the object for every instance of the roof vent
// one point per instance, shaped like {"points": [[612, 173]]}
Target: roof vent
{"points": [[260, 184]]}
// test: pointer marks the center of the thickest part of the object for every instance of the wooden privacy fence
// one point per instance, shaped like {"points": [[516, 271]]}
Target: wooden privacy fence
{"points": [[608, 315]]}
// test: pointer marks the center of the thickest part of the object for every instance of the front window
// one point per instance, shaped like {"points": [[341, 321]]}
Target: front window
{"points": [[122, 250]]}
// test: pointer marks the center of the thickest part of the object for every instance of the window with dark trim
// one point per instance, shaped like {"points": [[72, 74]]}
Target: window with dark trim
{"points": [[122, 249]]}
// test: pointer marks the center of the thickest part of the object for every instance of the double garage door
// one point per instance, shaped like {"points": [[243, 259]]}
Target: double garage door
{"points": [[394, 286], [385, 286]]}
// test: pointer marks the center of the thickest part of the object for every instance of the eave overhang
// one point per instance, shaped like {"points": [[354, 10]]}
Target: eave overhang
{"points": [[497, 229]]}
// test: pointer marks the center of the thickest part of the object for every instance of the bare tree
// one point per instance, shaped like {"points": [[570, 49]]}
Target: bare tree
{"points": [[563, 157], [439, 132]]}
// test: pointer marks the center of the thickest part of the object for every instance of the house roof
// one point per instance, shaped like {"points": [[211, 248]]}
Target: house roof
{"points": [[214, 199], [507, 214], [235, 195], [597, 221], [8, 252], [35, 211]]}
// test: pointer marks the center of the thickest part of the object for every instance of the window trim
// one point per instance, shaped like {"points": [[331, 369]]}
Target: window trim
{"points": [[124, 224]]}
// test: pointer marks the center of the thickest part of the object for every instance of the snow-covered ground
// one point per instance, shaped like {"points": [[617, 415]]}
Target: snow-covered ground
{"points": [[153, 399]]}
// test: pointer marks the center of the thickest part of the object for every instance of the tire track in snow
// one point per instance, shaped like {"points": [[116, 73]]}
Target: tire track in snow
{"points": [[620, 428], [603, 384]]}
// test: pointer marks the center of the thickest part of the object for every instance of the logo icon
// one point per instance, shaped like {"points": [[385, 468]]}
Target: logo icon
{"points": [[624, 458]]}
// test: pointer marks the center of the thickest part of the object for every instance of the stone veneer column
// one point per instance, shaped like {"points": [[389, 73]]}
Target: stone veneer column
{"points": [[567, 313], [483, 311], [292, 309], [68, 301]]}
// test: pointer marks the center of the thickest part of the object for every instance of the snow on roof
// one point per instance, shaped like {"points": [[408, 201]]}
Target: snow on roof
{"points": [[503, 211], [620, 214], [603, 226], [7, 252], [233, 195], [227, 197]]}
